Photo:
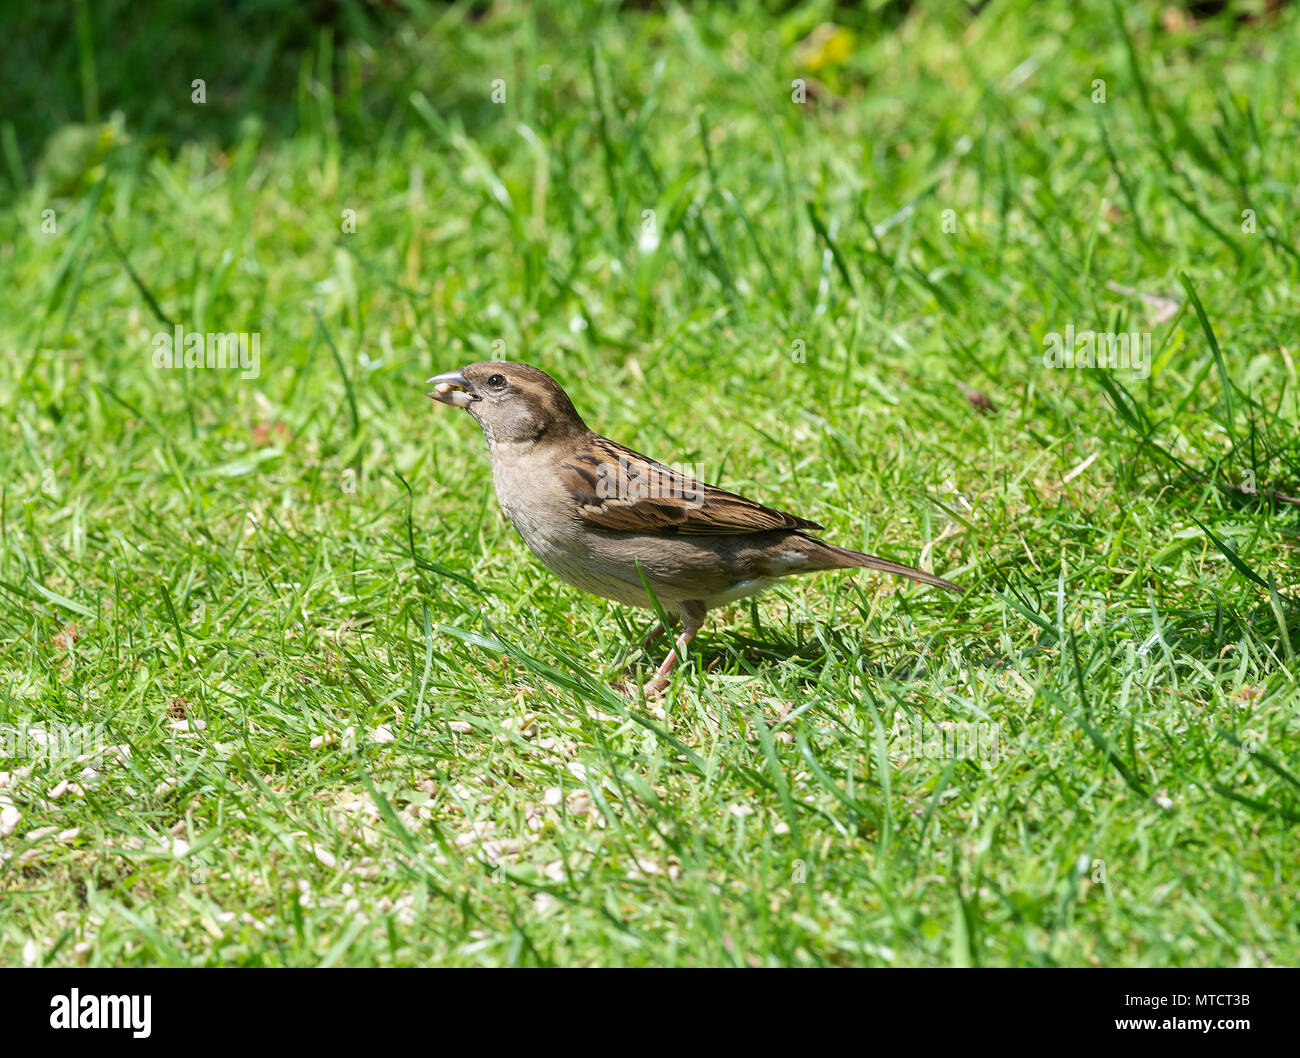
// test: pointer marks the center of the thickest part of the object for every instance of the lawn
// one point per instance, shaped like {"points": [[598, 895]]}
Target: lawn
{"points": [[279, 684]]}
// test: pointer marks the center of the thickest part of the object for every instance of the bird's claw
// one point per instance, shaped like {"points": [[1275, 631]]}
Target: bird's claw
{"points": [[651, 690]]}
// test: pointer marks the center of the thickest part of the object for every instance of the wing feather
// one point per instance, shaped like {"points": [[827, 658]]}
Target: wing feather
{"points": [[619, 490]]}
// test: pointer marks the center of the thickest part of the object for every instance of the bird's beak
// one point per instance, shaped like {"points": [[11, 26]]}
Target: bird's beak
{"points": [[452, 388]]}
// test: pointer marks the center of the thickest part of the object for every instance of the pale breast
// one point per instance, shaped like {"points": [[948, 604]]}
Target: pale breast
{"points": [[553, 534], [713, 570]]}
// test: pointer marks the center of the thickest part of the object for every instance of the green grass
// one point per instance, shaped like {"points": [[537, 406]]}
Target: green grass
{"points": [[286, 565]]}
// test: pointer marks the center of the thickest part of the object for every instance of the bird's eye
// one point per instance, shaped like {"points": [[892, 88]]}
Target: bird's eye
{"points": [[497, 381]]}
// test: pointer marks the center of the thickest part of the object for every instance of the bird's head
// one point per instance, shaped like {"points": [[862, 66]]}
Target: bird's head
{"points": [[512, 403]]}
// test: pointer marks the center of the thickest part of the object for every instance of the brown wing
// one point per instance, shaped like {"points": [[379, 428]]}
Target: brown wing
{"points": [[620, 490]]}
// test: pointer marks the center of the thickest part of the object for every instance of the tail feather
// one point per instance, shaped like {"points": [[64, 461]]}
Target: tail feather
{"points": [[845, 557]]}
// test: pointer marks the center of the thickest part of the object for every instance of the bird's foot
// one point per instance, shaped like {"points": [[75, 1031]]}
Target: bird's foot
{"points": [[654, 689], [651, 692], [627, 661], [661, 681]]}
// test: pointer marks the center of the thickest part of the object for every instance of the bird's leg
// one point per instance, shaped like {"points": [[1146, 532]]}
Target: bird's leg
{"points": [[659, 684], [692, 618], [624, 662], [652, 635]]}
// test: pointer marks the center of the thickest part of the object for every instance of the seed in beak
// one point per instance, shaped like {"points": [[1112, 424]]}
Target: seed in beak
{"points": [[452, 389]]}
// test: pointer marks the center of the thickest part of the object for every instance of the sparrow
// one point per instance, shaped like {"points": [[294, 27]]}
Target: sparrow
{"points": [[609, 520]]}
